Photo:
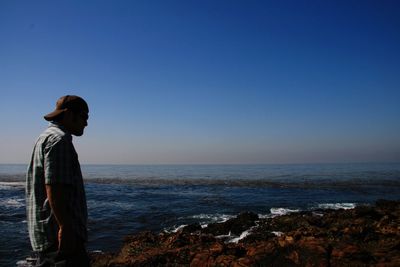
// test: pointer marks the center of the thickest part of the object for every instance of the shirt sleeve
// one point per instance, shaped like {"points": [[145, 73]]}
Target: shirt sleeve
{"points": [[58, 159]]}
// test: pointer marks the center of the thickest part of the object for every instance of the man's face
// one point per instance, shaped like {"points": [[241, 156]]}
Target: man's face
{"points": [[76, 121]]}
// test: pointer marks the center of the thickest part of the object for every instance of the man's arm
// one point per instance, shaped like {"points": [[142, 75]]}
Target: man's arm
{"points": [[58, 194]]}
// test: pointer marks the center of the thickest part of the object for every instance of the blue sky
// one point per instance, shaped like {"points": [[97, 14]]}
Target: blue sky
{"points": [[192, 82]]}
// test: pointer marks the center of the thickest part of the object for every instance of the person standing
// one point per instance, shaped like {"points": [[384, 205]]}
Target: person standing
{"points": [[55, 194]]}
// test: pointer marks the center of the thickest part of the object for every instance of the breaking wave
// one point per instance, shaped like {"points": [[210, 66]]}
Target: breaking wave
{"points": [[12, 185], [12, 202], [282, 211], [337, 206]]}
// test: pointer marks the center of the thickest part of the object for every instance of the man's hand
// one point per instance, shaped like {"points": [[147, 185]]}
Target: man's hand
{"points": [[58, 196], [66, 240]]}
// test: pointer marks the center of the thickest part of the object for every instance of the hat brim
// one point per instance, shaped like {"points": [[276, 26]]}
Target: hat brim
{"points": [[52, 115]]}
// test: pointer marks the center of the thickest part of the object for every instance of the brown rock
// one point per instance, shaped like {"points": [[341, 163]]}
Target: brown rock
{"points": [[265, 248], [216, 248], [200, 260], [244, 262], [294, 257], [365, 236], [224, 260]]}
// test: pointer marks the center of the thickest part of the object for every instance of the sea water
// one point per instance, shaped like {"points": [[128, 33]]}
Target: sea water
{"points": [[127, 199]]}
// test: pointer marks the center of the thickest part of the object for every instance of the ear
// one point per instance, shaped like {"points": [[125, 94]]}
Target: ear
{"points": [[68, 114]]}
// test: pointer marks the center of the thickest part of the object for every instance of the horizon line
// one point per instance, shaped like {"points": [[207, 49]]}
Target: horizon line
{"points": [[227, 164]]}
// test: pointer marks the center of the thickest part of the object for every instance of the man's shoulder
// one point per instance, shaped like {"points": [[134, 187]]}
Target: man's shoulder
{"points": [[54, 134]]}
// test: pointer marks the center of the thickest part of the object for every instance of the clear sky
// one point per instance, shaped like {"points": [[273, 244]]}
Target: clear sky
{"points": [[182, 82]]}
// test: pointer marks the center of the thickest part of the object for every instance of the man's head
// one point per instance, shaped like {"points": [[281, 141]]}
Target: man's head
{"points": [[72, 112]]}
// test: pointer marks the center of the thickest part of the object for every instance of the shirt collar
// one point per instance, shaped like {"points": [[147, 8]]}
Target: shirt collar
{"points": [[62, 128]]}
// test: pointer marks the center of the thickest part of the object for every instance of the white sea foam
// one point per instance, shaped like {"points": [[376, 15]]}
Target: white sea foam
{"points": [[277, 233], [206, 219], [203, 219], [213, 218], [264, 216], [282, 211], [337, 206], [229, 238], [242, 235], [12, 202], [229, 235], [11, 185], [176, 229], [277, 212], [28, 262]]}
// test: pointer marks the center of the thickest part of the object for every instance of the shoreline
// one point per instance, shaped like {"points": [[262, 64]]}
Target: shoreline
{"points": [[363, 236]]}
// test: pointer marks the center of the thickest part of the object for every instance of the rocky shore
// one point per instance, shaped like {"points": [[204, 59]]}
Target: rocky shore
{"points": [[363, 236]]}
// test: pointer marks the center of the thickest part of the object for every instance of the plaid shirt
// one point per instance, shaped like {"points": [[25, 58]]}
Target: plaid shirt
{"points": [[54, 161]]}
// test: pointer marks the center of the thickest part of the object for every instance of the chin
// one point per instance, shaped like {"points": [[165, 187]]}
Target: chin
{"points": [[78, 133]]}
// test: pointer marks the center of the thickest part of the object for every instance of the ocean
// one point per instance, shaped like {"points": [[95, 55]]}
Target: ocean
{"points": [[127, 199]]}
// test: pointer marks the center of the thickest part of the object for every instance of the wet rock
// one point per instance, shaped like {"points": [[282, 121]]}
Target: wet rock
{"points": [[191, 228], [234, 226], [364, 236]]}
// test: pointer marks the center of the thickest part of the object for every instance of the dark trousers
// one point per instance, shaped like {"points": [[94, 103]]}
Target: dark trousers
{"points": [[54, 258]]}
